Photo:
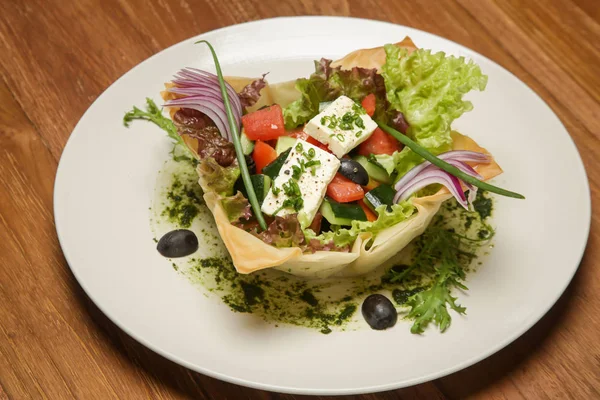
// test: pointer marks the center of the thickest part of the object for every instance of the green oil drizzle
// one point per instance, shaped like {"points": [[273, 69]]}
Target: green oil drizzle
{"points": [[329, 304]]}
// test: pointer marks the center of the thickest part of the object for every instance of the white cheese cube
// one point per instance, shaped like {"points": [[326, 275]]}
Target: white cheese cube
{"points": [[319, 169], [342, 126]]}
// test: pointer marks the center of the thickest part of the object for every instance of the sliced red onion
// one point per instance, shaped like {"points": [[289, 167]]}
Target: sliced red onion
{"points": [[472, 193], [203, 93], [414, 185], [212, 92], [454, 155], [430, 177], [213, 109], [202, 76]]}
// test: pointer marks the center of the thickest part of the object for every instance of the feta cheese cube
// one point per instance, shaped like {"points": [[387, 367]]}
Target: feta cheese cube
{"points": [[305, 174], [342, 126]]}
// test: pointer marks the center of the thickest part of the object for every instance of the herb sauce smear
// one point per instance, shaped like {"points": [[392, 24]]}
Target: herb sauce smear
{"points": [[421, 279]]}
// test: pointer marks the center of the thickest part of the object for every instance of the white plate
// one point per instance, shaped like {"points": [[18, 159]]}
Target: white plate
{"points": [[105, 184]]}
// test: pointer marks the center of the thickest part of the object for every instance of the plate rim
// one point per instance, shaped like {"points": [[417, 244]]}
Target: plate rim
{"points": [[311, 391]]}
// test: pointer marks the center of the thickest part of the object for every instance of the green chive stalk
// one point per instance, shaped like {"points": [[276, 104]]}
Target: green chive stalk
{"points": [[236, 142], [452, 170]]}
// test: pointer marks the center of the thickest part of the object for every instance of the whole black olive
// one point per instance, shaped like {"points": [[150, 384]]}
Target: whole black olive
{"points": [[379, 312], [251, 165], [354, 171], [178, 243]]}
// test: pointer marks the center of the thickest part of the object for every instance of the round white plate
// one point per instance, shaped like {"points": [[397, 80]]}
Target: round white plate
{"points": [[105, 184]]}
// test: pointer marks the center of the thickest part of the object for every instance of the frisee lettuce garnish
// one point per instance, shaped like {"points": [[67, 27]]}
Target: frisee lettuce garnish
{"points": [[180, 152], [443, 256]]}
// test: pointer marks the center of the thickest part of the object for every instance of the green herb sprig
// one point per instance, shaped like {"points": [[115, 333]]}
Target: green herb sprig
{"points": [[452, 170], [236, 141]]}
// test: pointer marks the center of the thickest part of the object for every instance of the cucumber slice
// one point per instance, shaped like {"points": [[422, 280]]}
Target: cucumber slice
{"points": [[374, 171], [247, 144], [261, 183], [381, 195], [272, 170], [284, 143], [341, 214]]}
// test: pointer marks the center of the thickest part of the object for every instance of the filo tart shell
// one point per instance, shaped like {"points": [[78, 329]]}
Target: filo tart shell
{"points": [[250, 254]]}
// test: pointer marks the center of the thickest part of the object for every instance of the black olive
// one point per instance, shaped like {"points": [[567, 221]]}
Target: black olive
{"points": [[379, 312], [178, 243], [354, 171], [251, 165]]}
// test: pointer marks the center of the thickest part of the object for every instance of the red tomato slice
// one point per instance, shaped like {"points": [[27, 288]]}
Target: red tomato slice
{"points": [[265, 124], [369, 103], [263, 155], [379, 143], [370, 214], [343, 190]]}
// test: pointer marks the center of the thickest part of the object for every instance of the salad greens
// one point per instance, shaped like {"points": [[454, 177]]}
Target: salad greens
{"points": [[443, 255], [181, 152], [327, 84], [346, 236], [428, 89]]}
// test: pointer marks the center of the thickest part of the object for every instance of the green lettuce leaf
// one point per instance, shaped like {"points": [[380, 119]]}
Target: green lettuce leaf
{"points": [[386, 161], [428, 89], [237, 207], [346, 236], [327, 84], [218, 179], [180, 152], [430, 305]]}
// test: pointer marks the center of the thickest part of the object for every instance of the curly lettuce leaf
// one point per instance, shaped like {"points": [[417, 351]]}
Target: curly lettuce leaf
{"points": [[251, 92], [327, 84], [428, 89], [236, 207], [431, 305], [283, 232], [218, 179], [180, 152], [385, 161], [346, 236]]}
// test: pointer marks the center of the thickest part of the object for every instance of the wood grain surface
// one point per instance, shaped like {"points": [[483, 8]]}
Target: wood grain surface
{"points": [[59, 55]]}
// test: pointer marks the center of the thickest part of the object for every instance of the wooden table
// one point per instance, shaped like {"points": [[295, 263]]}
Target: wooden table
{"points": [[59, 55]]}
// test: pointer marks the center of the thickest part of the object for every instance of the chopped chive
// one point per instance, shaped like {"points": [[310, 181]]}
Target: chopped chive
{"points": [[236, 141]]}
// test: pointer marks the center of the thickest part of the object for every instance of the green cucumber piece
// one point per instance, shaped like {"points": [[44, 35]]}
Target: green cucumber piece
{"points": [[261, 183], [374, 171], [272, 169], [381, 195], [341, 214], [247, 144], [284, 143]]}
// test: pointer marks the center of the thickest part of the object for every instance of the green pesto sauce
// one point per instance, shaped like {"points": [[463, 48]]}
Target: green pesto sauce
{"points": [[183, 199], [330, 304]]}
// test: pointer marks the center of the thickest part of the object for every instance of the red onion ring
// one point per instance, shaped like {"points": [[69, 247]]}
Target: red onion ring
{"points": [[429, 177]]}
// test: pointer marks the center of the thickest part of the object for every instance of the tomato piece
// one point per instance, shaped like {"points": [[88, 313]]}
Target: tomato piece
{"points": [[371, 185], [263, 155], [369, 103], [379, 142], [264, 124], [343, 190], [298, 134], [370, 214]]}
